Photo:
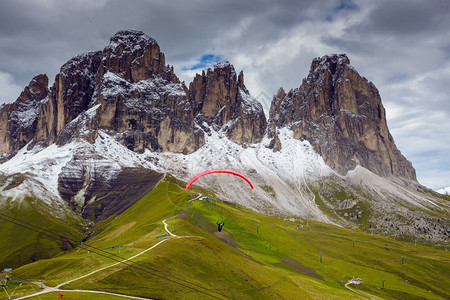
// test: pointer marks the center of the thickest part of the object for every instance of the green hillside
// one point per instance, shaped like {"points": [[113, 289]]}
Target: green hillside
{"points": [[254, 257], [19, 246]]}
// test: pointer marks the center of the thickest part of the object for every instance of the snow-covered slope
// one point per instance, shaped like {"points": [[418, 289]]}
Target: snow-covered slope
{"points": [[40, 167], [279, 177]]}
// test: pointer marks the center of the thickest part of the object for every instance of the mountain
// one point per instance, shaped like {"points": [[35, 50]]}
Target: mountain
{"points": [[340, 113], [116, 121]]}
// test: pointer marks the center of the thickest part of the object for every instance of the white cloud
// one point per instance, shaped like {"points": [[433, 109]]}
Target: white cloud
{"points": [[9, 89]]}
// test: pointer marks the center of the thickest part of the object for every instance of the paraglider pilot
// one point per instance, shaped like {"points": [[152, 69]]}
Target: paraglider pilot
{"points": [[220, 225]]}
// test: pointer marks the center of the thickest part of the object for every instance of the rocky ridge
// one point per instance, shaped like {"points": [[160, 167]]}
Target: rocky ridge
{"points": [[18, 120], [220, 99], [340, 113]]}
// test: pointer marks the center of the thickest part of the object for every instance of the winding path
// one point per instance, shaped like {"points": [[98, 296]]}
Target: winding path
{"points": [[346, 285]]}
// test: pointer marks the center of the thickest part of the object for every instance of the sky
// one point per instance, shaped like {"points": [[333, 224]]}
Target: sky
{"points": [[402, 46]]}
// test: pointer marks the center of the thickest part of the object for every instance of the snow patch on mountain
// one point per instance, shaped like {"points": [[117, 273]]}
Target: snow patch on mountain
{"points": [[26, 114], [277, 176], [114, 85], [398, 194], [41, 167], [249, 104], [131, 40], [119, 155]]}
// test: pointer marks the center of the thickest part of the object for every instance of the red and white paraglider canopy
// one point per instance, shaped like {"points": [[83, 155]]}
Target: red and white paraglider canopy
{"points": [[216, 171]]}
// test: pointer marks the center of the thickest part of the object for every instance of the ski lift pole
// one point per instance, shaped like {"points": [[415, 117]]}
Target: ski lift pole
{"points": [[15, 290], [3, 286], [35, 291], [257, 228]]}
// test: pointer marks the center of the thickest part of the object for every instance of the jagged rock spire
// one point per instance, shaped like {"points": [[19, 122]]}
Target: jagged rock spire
{"points": [[340, 113], [18, 120], [220, 99]]}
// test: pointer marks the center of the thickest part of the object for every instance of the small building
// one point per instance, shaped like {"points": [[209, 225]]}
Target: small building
{"points": [[355, 281]]}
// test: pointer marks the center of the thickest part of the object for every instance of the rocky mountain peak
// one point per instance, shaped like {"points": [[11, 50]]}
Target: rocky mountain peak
{"points": [[211, 91], [220, 99], [69, 96], [141, 99], [340, 113], [36, 90], [134, 56], [128, 91], [18, 120], [330, 63], [130, 37]]}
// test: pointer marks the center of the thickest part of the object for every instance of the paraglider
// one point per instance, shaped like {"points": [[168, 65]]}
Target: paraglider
{"points": [[216, 171], [220, 225], [193, 179]]}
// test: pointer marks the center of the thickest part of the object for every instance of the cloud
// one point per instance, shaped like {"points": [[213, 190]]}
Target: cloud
{"points": [[9, 89]]}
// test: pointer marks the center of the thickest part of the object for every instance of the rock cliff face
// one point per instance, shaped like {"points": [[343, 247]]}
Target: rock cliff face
{"points": [[142, 100], [69, 96], [340, 113], [220, 99], [18, 120]]}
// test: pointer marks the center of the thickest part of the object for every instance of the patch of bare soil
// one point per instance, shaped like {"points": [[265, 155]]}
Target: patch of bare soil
{"points": [[228, 239], [114, 197], [299, 267]]}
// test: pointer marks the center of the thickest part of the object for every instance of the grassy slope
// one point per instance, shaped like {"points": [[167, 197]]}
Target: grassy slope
{"points": [[277, 262], [20, 246]]}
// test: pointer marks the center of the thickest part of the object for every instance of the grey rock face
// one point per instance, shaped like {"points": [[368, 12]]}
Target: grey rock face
{"points": [[18, 120], [221, 100], [340, 113]]}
